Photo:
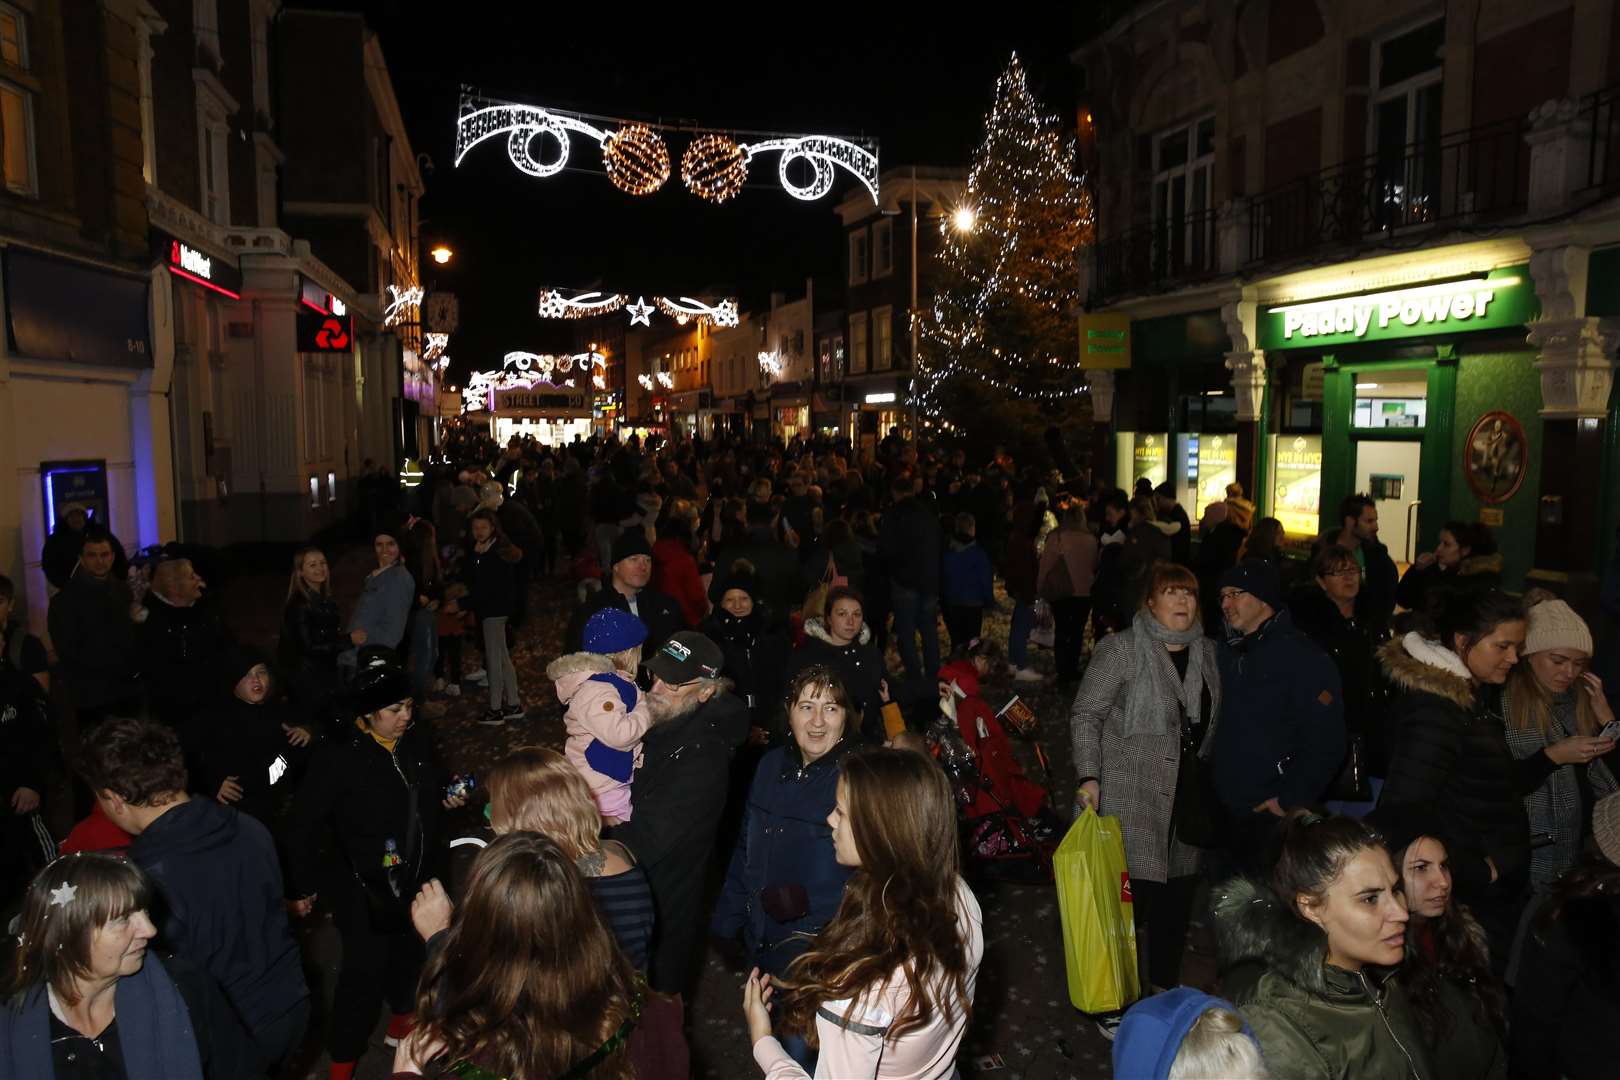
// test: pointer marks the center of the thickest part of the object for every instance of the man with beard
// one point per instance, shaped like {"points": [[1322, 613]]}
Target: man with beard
{"points": [[679, 792]]}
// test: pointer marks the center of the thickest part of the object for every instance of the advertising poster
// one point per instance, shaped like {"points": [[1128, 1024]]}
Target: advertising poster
{"points": [[1217, 467], [1296, 494], [1151, 458]]}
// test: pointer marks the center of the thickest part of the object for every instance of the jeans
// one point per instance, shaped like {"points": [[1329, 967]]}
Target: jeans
{"points": [[1023, 621], [916, 612], [503, 688], [423, 634], [1069, 634]]}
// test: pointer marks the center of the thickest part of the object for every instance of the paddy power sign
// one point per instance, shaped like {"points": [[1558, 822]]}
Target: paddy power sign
{"points": [[1500, 299]]}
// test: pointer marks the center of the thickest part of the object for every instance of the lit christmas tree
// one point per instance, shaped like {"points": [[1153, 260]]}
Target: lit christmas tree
{"points": [[1000, 355]]}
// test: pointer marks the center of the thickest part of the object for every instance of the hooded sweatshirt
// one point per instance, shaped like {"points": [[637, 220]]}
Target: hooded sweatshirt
{"points": [[233, 738], [222, 905], [606, 718]]}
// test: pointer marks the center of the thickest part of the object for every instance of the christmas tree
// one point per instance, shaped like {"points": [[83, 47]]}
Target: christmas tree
{"points": [[999, 359]]}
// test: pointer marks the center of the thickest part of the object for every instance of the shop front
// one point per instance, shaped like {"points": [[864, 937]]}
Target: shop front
{"points": [[552, 417], [790, 410], [688, 409]]}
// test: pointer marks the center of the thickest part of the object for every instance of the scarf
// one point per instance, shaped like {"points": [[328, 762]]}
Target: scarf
{"points": [[1153, 691], [154, 1030]]}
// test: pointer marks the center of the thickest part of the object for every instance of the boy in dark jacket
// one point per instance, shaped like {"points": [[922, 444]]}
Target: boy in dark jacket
{"points": [[249, 748], [965, 582]]}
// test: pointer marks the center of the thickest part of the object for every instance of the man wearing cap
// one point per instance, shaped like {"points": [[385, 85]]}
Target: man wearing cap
{"points": [[1171, 514], [626, 588], [1281, 737], [679, 793]]}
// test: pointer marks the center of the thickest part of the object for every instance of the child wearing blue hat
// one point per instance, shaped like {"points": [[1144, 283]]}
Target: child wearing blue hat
{"points": [[606, 712], [1184, 1034]]}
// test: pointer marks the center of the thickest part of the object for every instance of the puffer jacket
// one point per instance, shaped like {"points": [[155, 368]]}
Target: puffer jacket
{"points": [[858, 664], [784, 841], [604, 707], [1314, 1021], [1477, 573], [1450, 754]]}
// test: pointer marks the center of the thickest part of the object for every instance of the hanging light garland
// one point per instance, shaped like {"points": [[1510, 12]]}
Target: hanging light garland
{"points": [[555, 305], [714, 167], [571, 304], [400, 303], [636, 158], [722, 314]]}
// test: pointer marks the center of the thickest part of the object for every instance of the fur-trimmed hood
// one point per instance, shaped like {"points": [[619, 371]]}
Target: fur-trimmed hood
{"points": [[574, 670], [1417, 664], [817, 628], [1475, 565], [1252, 926]]}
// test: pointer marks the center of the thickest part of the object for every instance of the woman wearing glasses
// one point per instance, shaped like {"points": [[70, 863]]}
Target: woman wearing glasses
{"points": [[1324, 609]]}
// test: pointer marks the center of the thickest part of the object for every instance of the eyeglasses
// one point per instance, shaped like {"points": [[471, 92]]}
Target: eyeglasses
{"points": [[1347, 572], [1232, 594]]}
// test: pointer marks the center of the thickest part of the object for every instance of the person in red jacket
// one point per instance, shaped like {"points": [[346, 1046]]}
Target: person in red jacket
{"points": [[675, 568], [1004, 785]]}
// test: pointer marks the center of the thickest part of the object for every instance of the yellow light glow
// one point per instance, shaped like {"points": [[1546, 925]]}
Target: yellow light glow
{"points": [[442, 254], [964, 219]]}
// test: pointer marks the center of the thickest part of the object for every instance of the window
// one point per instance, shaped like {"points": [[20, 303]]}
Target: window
{"points": [[857, 343], [261, 63], [882, 339], [205, 25], [1405, 134], [16, 105], [1183, 190], [857, 257], [883, 242], [216, 187]]}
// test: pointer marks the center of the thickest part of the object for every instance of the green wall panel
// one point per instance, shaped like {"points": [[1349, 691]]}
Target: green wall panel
{"points": [[1506, 381]]}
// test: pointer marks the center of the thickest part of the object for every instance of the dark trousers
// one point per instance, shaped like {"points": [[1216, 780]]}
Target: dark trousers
{"points": [[281, 1038], [1162, 911], [1069, 634], [375, 967], [963, 622]]}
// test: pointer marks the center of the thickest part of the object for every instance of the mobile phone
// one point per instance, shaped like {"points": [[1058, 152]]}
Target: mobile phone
{"points": [[459, 786], [1611, 730]]}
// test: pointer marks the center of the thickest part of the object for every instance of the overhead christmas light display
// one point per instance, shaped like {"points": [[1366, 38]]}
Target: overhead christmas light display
{"points": [[637, 160], [433, 345], [400, 303], [545, 363], [646, 381], [571, 304]]}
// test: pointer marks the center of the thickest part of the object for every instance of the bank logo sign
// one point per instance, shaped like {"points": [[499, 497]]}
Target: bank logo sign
{"points": [[1503, 298]]}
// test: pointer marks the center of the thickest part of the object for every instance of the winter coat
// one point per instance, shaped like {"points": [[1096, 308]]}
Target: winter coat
{"points": [[605, 712], [1353, 647], [491, 580], [1282, 725], [387, 598], [1375, 604], [378, 802], [1145, 544], [1314, 1021], [782, 583], [1566, 1004], [1556, 807], [1180, 538], [180, 649], [679, 794], [675, 574], [223, 905], [1003, 783], [784, 841], [1078, 550], [1022, 562], [1450, 754], [233, 738], [311, 638], [660, 614], [910, 542], [858, 664], [965, 575], [1477, 573], [28, 743], [1469, 1044], [756, 660], [1137, 773], [94, 638]]}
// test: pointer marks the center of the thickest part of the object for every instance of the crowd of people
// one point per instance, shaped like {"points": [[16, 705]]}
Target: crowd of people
{"points": [[1389, 797]]}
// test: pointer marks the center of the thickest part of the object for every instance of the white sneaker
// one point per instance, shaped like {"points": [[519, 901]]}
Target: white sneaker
{"points": [[1028, 675], [452, 690], [481, 677]]}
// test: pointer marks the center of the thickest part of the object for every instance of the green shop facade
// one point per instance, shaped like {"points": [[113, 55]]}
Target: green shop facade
{"points": [[1431, 381]]}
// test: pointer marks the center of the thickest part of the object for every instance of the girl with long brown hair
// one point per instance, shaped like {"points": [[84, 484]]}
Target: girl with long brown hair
{"points": [[888, 986], [530, 983]]}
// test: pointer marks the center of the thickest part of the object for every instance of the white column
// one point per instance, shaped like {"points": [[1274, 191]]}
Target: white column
{"points": [[1560, 141], [151, 436], [1101, 381], [1246, 363], [1574, 351]]}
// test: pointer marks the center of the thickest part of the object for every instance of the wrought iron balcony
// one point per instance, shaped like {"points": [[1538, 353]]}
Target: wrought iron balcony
{"points": [[1156, 255]]}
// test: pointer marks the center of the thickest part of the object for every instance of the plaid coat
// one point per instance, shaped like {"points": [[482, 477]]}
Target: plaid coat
{"points": [[1137, 774], [1555, 807]]}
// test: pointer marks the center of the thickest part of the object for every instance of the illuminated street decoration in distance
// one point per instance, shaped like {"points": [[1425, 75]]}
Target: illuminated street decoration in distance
{"points": [[645, 380], [637, 159], [400, 301], [567, 304], [433, 345], [554, 305]]}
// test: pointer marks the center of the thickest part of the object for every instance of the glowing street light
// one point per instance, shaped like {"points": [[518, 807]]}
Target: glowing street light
{"points": [[442, 254], [963, 219]]}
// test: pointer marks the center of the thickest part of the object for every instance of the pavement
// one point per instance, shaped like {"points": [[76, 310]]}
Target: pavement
{"points": [[1022, 1028]]}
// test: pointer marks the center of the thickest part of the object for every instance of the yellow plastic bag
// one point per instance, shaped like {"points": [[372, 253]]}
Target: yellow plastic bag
{"points": [[1099, 923]]}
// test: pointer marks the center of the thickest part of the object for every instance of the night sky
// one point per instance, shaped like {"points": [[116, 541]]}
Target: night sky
{"points": [[922, 91]]}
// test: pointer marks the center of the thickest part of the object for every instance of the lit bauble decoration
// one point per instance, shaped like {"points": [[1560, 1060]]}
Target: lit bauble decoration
{"points": [[636, 158], [714, 167]]}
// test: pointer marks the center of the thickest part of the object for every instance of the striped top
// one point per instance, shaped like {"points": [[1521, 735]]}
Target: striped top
{"points": [[626, 903]]}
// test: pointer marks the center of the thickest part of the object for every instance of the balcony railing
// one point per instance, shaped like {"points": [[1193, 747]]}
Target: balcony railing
{"points": [[1603, 141], [1466, 175], [1155, 255]]}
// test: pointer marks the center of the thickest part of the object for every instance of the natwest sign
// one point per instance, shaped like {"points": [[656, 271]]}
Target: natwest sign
{"points": [[321, 332], [199, 267], [1502, 298]]}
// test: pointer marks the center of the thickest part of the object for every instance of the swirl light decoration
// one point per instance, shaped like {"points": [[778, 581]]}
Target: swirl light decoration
{"points": [[722, 314], [714, 165], [555, 305], [574, 304]]}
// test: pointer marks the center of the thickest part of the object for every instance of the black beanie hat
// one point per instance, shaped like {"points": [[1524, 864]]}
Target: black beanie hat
{"points": [[630, 543], [380, 682]]}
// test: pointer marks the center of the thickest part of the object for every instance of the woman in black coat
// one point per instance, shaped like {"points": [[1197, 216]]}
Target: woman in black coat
{"points": [[843, 642], [250, 748], [756, 655], [1466, 558], [311, 638], [381, 792]]}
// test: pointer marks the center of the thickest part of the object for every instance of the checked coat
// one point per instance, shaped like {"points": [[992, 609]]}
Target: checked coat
{"points": [[1138, 773]]}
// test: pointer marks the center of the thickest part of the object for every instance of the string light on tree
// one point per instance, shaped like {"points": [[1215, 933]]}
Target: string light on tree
{"points": [[637, 160]]}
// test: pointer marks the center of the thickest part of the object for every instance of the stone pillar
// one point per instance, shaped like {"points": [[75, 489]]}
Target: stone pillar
{"points": [[1101, 385], [1248, 367], [150, 431], [1560, 141], [1232, 235]]}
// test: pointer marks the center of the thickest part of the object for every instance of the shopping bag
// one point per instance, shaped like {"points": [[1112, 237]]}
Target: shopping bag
{"points": [[1099, 924]]}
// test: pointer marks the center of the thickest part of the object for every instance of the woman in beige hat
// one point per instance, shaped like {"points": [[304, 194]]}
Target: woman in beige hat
{"points": [[1555, 706]]}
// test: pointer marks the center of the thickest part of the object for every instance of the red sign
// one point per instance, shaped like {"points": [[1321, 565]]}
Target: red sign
{"points": [[321, 332], [1124, 887], [209, 271]]}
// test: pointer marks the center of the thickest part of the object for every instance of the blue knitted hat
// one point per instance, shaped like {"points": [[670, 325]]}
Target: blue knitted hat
{"points": [[611, 630]]}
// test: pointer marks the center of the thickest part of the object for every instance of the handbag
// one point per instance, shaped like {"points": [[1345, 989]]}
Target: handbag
{"points": [[1199, 817], [1057, 583], [1352, 784]]}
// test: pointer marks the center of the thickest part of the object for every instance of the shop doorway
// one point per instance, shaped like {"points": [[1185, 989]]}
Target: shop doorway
{"points": [[1387, 470]]}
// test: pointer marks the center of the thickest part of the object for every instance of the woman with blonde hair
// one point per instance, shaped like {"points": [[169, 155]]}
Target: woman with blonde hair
{"points": [[529, 982], [311, 636], [887, 988]]}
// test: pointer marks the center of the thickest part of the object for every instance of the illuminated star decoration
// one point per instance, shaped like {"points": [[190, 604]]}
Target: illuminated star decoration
{"points": [[641, 312], [63, 894], [574, 304], [637, 161]]}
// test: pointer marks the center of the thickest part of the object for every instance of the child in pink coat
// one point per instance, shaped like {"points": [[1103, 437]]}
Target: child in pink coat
{"points": [[606, 712]]}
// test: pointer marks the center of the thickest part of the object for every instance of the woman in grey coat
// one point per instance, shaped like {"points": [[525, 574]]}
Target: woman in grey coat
{"points": [[1142, 723]]}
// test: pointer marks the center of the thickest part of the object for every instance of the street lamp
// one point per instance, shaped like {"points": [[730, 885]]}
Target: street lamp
{"points": [[442, 254], [964, 219]]}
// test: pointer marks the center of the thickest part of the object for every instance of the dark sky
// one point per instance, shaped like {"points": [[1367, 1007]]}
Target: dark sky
{"points": [[922, 90]]}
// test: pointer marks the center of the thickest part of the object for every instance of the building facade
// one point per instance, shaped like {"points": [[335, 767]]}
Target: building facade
{"points": [[1340, 252]]}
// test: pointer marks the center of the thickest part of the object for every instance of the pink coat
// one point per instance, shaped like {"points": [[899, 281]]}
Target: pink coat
{"points": [[596, 710]]}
